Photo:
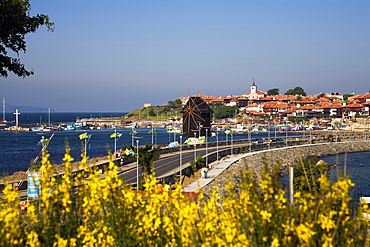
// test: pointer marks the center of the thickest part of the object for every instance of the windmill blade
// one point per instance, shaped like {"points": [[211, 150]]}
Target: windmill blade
{"points": [[200, 117], [197, 105]]}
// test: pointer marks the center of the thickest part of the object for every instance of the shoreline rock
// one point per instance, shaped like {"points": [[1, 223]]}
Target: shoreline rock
{"points": [[285, 157]]}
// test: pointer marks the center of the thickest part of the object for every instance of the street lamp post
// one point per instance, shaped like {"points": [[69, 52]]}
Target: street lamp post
{"points": [[137, 164], [152, 136], [199, 128], [286, 134], [231, 138], [207, 147], [180, 157], [195, 147], [155, 138], [226, 137], [365, 129], [217, 142], [115, 143], [291, 188], [250, 141], [85, 140], [268, 131]]}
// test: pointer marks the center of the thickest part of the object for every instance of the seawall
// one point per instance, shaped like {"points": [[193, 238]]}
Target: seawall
{"points": [[285, 156]]}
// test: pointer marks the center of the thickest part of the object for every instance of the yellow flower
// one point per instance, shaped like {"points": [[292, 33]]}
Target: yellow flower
{"points": [[275, 242], [304, 233], [266, 215]]}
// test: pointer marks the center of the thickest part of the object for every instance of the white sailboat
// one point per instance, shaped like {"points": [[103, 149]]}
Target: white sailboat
{"points": [[3, 121]]}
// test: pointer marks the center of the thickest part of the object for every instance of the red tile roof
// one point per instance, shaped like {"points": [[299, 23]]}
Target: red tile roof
{"points": [[354, 105]]}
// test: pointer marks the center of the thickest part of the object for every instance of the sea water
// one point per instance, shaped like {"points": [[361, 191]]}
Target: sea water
{"points": [[356, 166], [19, 149]]}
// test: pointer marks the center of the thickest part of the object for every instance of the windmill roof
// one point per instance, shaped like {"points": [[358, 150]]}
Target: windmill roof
{"points": [[198, 105]]}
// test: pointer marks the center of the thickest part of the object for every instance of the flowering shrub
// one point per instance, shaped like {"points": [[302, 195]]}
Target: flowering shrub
{"points": [[87, 210]]}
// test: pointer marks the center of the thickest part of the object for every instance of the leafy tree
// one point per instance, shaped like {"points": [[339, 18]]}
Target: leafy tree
{"points": [[222, 111], [175, 104], [346, 96], [15, 23], [151, 112], [147, 155], [273, 91], [296, 91], [289, 92]]}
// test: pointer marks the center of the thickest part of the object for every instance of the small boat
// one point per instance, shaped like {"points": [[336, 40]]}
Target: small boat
{"points": [[69, 127], [78, 126], [176, 130], [3, 122], [36, 129]]}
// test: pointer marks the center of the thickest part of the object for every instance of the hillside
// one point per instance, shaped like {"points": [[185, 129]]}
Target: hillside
{"points": [[158, 113]]}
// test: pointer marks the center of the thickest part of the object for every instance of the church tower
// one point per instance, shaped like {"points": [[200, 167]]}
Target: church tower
{"points": [[253, 87]]}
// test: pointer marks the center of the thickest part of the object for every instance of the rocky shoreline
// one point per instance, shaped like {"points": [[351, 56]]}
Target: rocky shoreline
{"points": [[286, 157]]}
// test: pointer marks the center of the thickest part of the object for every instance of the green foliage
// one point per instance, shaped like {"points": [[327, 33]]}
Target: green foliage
{"points": [[15, 23], [273, 91], [222, 111], [296, 91], [178, 102], [307, 174], [155, 113], [298, 119], [320, 95], [151, 112], [147, 155], [175, 104], [199, 163], [346, 96]]}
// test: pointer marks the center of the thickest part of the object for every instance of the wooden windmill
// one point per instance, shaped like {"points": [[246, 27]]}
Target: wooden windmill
{"points": [[196, 118]]}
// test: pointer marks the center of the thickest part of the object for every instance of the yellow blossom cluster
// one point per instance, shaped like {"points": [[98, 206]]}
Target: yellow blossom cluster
{"points": [[94, 209]]}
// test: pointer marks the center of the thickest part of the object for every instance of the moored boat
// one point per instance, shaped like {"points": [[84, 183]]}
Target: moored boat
{"points": [[176, 130], [3, 122]]}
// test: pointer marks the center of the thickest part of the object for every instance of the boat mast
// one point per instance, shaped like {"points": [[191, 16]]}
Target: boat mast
{"points": [[4, 108], [49, 116]]}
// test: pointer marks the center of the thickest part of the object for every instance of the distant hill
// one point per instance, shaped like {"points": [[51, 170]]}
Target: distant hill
{"points": [[12, 108]]}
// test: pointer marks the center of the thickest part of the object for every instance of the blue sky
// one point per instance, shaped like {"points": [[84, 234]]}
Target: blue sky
{"points": [[114, 56]]}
